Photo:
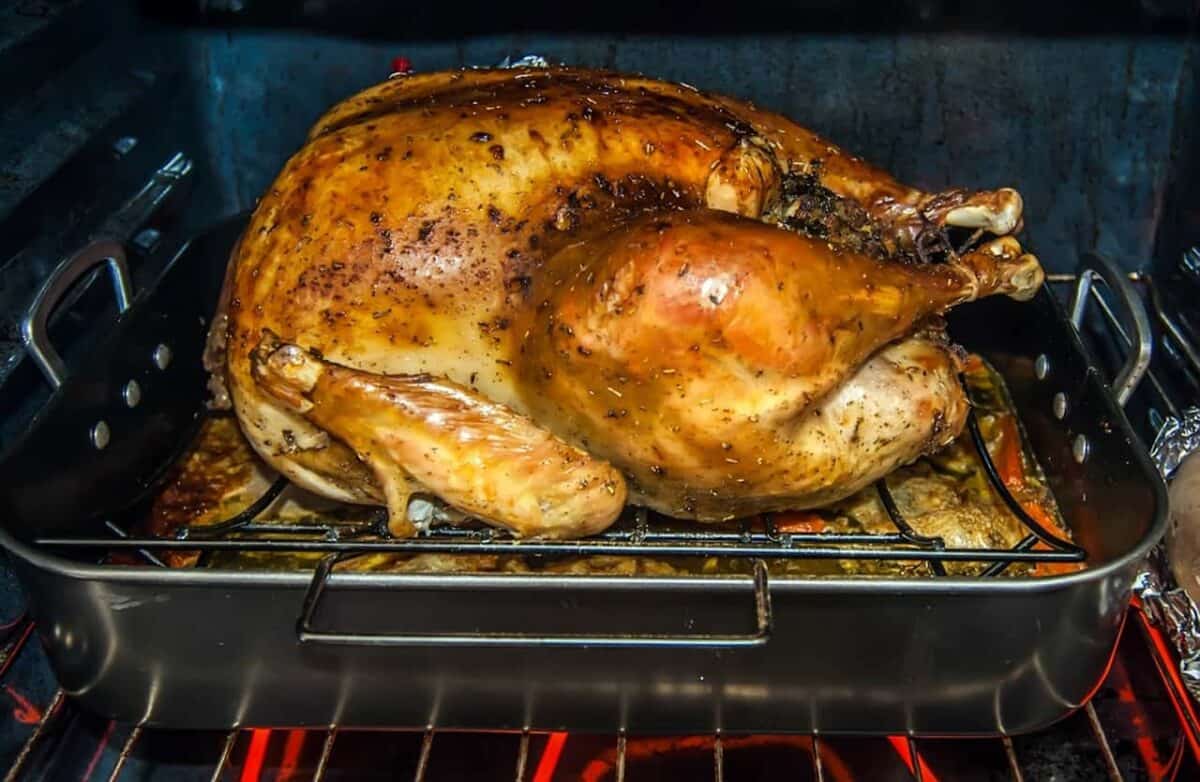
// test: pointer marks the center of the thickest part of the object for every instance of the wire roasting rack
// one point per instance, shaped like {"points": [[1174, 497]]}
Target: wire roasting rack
{"points": [[634, 536]]}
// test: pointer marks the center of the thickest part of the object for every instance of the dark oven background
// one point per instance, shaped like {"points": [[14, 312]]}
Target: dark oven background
{"points": [[1089, 109]]}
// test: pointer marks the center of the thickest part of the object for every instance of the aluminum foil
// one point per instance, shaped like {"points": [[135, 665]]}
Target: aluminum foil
{"points": [[1176, 440], [1168, 605], [528, 61]]}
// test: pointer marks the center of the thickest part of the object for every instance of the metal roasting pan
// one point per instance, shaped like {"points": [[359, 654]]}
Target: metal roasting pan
{"points": [[216, 649]]}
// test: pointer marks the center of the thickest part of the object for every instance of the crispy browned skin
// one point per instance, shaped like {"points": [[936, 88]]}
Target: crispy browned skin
{"points": [[541, 247]]}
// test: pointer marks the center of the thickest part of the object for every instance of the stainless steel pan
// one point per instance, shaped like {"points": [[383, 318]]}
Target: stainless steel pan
{"points": [[213, 649]]}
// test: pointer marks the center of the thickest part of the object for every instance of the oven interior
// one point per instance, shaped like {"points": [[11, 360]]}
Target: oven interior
{"points": [[1088, 109]]}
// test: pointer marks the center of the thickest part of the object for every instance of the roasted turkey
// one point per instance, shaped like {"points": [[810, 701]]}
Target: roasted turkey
{"points": [[539, 294]]}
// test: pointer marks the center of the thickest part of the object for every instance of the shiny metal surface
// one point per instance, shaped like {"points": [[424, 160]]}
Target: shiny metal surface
{"points": [[1133, 320], [132, 394], [100, 435], [1060, 405], [33, 327], [131, 740], [1080, 448], [223, 759], [1110, 762], [306, 633], [326, 751]]}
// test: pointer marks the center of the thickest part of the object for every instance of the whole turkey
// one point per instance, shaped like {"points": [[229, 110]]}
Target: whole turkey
{"points": [[540, 294]]}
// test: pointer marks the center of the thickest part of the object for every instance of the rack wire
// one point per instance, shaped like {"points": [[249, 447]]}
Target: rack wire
{"points": [[634, 536]]}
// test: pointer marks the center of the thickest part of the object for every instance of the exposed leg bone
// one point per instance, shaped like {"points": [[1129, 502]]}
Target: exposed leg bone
{"points": [[1001, 266], [995, 211]]}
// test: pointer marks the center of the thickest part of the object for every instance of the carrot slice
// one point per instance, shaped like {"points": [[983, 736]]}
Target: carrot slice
{"points": [[1043, 517], [799, 521], [1008, 454]]}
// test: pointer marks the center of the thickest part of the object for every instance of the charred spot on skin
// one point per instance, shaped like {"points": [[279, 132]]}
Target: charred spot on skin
{"points": [[518, 284], [426, 230], [494, 214], [384, 154], [385, 234], [497, 151]]}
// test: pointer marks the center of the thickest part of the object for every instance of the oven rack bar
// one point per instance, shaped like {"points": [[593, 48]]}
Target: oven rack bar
{"points": [[617, 760], [431, 545]]}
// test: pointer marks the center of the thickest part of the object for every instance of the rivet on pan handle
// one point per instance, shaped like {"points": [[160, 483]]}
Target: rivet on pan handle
{"points": [[1132, 312], [316, 588], [34, 327]]}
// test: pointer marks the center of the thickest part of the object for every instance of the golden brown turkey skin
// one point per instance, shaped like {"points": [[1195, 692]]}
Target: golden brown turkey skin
{"points": [[729, 367], [446, 226]]}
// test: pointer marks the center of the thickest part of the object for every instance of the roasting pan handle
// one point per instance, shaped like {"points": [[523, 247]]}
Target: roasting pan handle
{"points": [[1132, 312], [106, 248], [310, 635], [34, 332]]}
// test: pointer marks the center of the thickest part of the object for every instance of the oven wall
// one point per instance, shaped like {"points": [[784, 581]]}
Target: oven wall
{"points": [[1081, 126], [1087, 110]]}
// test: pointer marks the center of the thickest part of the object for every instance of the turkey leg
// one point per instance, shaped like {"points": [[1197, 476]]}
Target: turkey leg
{"points": [[478, 456], [726, 365], [711, 303]]}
